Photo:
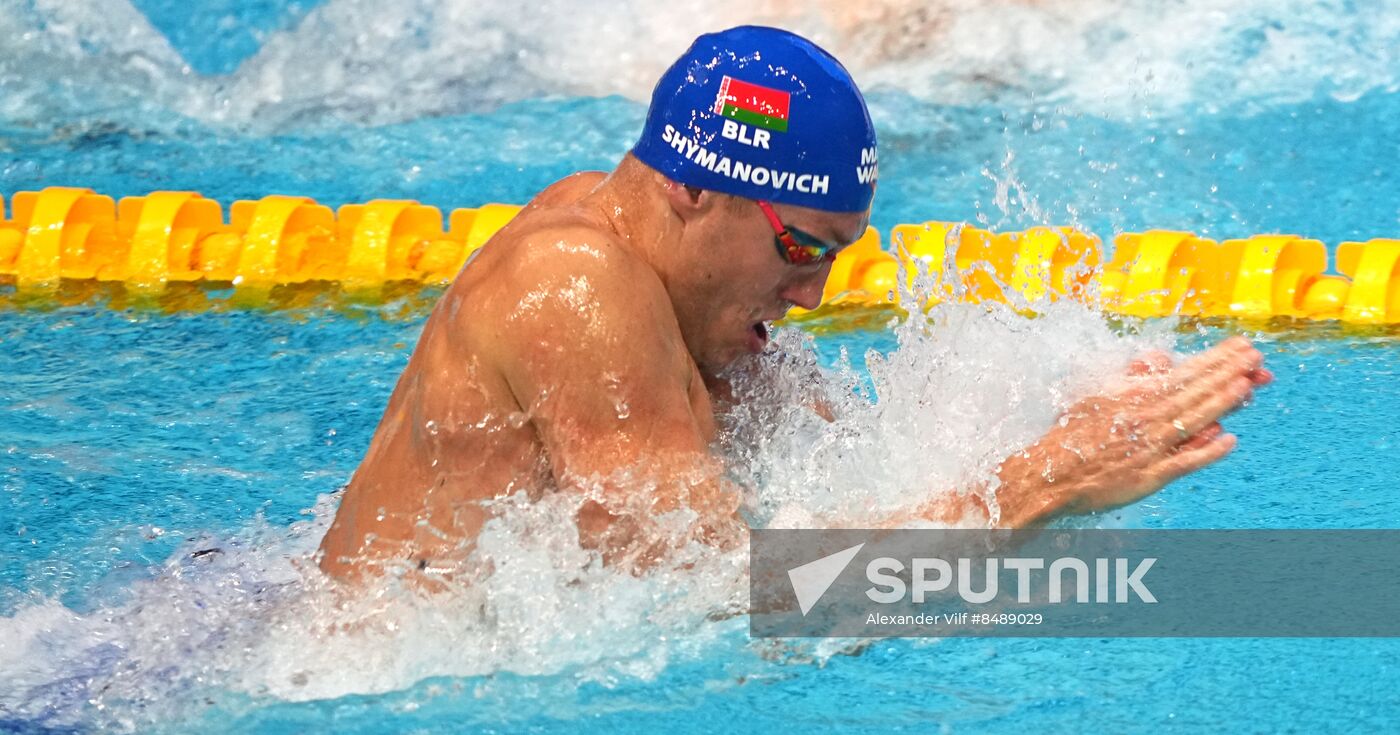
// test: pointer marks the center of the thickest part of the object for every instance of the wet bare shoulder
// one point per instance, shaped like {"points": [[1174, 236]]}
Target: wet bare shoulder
{"points": [[567, 190], [572, 303], [570, 255], [562, 263]]}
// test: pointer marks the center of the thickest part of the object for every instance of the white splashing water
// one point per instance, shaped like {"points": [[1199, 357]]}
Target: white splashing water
{"points": [[374, 62], [962, 390]]}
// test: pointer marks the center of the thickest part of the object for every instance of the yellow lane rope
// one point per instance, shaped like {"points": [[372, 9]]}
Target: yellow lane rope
{"points": [[148, 241]]}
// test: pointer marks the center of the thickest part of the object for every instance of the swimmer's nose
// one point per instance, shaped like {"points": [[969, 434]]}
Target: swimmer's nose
{"points": [[807, 293]]}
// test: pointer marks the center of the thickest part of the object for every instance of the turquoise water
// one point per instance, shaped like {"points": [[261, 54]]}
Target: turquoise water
{"points": [[135, 436]]}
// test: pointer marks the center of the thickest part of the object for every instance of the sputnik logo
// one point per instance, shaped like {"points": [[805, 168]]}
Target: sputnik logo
{"points": [[811, 580]]}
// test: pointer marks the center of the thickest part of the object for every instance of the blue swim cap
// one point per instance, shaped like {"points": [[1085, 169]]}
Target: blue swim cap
{"points": [[763, 113]]}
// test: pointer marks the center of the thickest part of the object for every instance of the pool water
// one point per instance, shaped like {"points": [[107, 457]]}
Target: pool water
{"points": [[167, 465]]}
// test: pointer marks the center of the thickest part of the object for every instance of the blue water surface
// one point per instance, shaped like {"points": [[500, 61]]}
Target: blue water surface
{"points": [[128, 429], [215, 36]]}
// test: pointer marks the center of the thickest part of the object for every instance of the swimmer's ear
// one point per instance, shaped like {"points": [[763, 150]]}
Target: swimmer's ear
{"points": [[689, 201]]}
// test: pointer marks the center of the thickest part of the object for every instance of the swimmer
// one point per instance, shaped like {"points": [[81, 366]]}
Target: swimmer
{"points": [[581, 349]]}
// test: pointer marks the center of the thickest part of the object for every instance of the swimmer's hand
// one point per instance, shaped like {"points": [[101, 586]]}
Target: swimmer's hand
{"points": [[1160, 423]]}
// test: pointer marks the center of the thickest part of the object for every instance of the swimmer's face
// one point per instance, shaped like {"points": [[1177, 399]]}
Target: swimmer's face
{"points": [[736, 280]]}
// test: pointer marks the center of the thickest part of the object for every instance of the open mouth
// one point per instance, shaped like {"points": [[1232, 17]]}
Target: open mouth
{"points": [[759, 330]]}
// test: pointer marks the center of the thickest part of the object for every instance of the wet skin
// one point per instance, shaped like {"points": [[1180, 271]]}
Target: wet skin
{"points": [[584, 340], [578, 342]]}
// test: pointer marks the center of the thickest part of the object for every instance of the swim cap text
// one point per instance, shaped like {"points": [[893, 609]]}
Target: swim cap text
{"points": [[745, 172], [869, 169]]}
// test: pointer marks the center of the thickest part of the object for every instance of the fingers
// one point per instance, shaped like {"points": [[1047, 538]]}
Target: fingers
{"points": [[1205, 376], [1151, 362], [1217, 405], [1235, 351], [1159, 362], [1206, 436], [1238, 341], [1190, 372], [1187, 460], [1203, 389]]}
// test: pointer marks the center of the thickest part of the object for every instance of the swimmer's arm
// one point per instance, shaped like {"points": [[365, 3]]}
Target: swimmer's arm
{"points": [[596, 360]]}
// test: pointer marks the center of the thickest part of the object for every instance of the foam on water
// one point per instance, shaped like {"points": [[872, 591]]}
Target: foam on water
{"points": [[373, 62], [255, 619]]}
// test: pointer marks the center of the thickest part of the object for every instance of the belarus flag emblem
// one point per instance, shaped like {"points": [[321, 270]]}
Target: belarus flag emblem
{"points": [[756, 105]]}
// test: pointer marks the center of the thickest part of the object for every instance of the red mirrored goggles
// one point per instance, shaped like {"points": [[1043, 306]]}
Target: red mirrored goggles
{"points": [[796, 246]]}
